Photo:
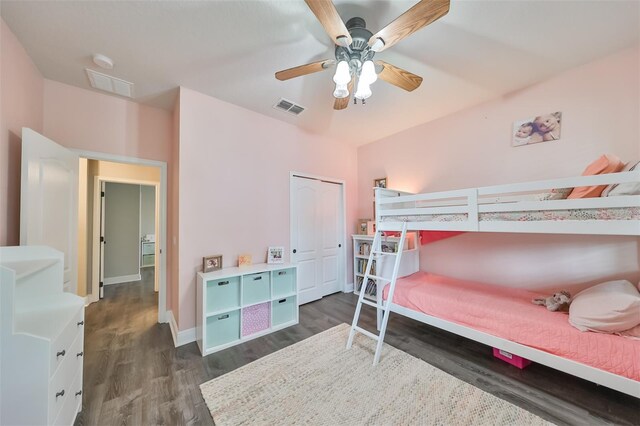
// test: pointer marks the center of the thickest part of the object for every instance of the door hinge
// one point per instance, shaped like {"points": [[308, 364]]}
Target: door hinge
{"points": [[101, 239], [101, 284], [102, 193]]}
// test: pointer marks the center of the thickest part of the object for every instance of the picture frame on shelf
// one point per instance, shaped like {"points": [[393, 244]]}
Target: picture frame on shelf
{"points": [[275, 254], [380, 183], [361, 227], [212, 263], [244, 260]]}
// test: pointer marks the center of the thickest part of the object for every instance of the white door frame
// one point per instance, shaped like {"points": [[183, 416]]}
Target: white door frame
{"points": [[161, 200], [342, 266]]}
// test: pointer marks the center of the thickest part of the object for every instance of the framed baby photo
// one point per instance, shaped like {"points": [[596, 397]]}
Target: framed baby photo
{"points": [[543, 128], [211, 263], [275, 255], [380, 183]]}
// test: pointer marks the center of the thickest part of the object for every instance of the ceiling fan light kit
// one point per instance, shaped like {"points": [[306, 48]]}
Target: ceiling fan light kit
{"points": [[355, 47]]}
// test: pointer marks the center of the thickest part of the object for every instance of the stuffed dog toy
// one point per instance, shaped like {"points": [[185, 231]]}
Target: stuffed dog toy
{"points": [[559, 301]]}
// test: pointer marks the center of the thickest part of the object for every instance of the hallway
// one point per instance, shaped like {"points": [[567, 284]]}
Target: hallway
{"points": [[132, 372]]}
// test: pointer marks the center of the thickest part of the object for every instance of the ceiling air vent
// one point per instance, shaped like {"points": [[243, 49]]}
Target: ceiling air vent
{"points": [[288, 106], [110, 84]]}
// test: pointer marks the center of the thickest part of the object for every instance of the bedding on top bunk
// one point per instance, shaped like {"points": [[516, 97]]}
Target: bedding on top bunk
{"points": [[508, 313], [616, 213]]}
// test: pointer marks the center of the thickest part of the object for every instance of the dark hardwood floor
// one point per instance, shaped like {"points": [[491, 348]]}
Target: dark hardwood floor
{"points": [[134, 375]]}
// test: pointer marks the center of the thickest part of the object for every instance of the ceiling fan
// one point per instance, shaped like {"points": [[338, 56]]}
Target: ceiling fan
{"points": [[356, 46]]}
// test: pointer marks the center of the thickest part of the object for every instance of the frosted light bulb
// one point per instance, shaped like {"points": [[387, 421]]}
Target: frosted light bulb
{"points": [[341, 91], [368, 73], [342, 75], [363, 91]]}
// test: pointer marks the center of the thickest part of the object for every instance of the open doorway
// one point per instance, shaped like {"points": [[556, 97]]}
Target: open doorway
{"points": [[122, 226]]}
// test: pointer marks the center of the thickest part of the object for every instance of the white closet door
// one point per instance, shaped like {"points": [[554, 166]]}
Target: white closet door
{"points": [[316, 235], [49, 200]]}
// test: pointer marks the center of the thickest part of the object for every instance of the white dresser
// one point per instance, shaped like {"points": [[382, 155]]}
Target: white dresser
{"points": [[41, 339]]}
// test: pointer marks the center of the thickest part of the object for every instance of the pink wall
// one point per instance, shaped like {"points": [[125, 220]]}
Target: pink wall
{"points": [[21, 91], [601, 111], [234, 184], [92, 121], [173, 241]]}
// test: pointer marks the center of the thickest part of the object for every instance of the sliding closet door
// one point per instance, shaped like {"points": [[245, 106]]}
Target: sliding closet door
{"points": [[317, 233]]}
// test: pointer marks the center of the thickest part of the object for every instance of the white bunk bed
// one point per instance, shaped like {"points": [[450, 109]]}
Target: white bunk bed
{"points": [[506, 208]]}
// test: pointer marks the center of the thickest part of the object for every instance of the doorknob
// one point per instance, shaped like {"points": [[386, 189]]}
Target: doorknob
{"points": [[294, 251]]}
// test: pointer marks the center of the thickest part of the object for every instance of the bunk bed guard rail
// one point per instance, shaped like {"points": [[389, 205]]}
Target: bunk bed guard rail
{"points": [[484, 209]]}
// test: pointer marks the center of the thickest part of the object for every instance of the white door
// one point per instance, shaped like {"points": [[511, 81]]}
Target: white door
{"points": [[49, 200], [317, 237], [102, 240]]}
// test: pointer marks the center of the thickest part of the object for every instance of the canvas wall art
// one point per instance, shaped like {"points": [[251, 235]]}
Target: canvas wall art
{"points": [[543, 128]]}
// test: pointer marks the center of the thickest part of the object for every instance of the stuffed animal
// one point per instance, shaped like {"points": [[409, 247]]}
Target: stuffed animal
{"points": [[559, 301]]}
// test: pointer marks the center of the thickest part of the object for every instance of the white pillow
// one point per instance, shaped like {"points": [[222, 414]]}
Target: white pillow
{"points": [[609, 307], [629, 188]]}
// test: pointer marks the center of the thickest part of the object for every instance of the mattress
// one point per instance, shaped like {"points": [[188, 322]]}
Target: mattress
{"points": [[508, 313], [618, 213]]}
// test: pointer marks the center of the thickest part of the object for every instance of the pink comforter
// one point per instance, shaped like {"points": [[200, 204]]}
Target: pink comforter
{"points": [[509, 313]]}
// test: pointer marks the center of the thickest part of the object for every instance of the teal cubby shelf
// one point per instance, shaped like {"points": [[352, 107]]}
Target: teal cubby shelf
{"points": [[239, 304]]}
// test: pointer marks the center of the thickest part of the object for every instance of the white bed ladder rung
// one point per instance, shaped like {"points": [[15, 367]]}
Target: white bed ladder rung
{"points": [[384, 253], [380, 305], [376, 277], [367, 333], [370, 303]]}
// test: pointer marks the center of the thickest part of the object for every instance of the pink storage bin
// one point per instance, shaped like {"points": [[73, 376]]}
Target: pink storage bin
{"points": [[512, 359], [256, 318]]}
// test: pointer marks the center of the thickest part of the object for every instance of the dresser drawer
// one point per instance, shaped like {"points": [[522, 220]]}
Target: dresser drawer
{"points": [[60, 347], [255, 288], [72, 403], [60, 385]]}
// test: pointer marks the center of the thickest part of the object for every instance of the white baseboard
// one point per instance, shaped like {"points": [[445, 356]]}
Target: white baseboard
{"points": [[122, 279], [348, 288], [180, 337]]}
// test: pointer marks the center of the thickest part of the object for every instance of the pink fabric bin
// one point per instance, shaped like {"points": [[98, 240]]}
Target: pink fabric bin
{"points": [[256, 318], [511, 358]]}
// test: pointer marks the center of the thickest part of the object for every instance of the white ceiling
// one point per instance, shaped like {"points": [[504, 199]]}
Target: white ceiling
{"points": [[231, 50]]}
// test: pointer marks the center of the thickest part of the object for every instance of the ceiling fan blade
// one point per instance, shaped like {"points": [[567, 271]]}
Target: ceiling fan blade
{"points": [[304, 69], [399, 77], [342, 103], [328, 16], [421, 14]]}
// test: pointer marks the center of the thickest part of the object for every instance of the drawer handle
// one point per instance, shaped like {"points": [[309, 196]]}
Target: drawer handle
{"points": [[80, 354], [80, 323], [79, 393], [257, 278], [282, 301], [282, 273], [61, 393], [61, 353], [223, 317], [223, 283]]}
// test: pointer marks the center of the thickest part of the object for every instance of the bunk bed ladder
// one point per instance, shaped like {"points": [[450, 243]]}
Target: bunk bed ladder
{"points": [[376, 253]]}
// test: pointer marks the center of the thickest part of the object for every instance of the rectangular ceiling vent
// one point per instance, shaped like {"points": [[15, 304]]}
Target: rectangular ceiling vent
{"points": [[110, 84], [288, 106]]}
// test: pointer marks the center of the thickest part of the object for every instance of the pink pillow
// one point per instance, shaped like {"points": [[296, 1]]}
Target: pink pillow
{"points": [[609, 307], [605, 164]]}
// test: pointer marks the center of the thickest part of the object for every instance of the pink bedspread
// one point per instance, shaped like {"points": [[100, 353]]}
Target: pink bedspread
{"points": [[509, 313]]}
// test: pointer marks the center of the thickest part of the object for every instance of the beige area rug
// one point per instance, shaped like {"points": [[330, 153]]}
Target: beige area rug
{"points": [[318, 382]]}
